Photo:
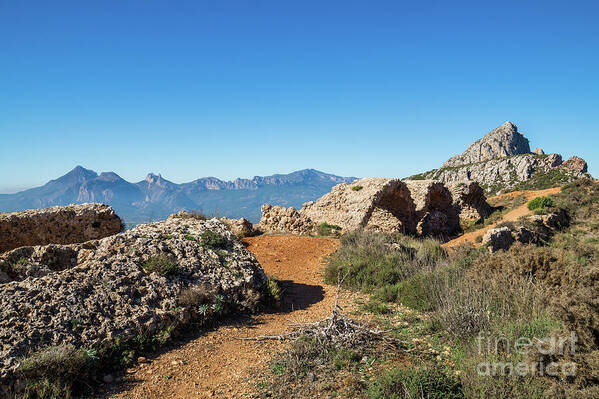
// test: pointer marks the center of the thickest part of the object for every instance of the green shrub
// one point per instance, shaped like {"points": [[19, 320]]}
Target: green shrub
{"points": [[189, 237], [372, 260], [55, 372], [429, 383], [540, 203], [357, 187], [273, 292], [161, 265], [376, 307], [213, 240], [326, 229]]}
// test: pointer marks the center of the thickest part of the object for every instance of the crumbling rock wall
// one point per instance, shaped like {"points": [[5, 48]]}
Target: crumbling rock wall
{"points": [[240, 227], [380, 204], [351, 206], [435, 211], [469, 200], [277, 219], [57, 225], [104, 286]]}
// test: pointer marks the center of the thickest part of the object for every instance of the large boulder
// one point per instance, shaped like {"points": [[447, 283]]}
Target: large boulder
{"points": [[144, 281], [351, 206], [502, 141], [498, 239], [58, 225]]}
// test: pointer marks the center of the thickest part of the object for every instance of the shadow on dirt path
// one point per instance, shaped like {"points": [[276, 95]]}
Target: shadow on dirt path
{"points": [[216, 363]]}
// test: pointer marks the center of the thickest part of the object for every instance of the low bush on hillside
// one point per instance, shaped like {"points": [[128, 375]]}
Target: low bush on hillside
{"points": [[161, 265], [420, 382], [527, 292], [373, 260], [213, 240], [55, 372], [357, 187], [540, 203], [542, 180]]}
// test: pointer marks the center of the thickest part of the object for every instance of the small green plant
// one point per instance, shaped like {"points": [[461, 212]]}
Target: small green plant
{"points": [[55, 372], [357, 187], [189, 237], [326, 229], [398, 383], [478, 239], [376, 307], [272, 292], [161, 265], [203, 309], [20, 266], [213, 240], [540, 203]]}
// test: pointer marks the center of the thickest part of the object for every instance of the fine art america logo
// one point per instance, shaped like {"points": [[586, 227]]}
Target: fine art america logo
{"points": [[552, 348]]}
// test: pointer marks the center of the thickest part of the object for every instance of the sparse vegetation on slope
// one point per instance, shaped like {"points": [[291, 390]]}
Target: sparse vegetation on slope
{"points": [[525, 294]]}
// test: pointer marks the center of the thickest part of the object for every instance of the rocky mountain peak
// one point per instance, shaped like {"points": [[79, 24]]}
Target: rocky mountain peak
{"points": [[151, 178], [500, 142]]}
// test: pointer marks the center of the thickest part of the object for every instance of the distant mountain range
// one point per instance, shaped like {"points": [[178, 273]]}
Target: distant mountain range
{"points": [[155, 197]]}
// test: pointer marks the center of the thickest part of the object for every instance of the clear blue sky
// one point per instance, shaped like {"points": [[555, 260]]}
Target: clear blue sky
{"points": [[242, 88]]}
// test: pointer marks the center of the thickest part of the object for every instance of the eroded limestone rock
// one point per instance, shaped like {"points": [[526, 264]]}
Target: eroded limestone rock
{"points": [[57, 225], [91, 293]]}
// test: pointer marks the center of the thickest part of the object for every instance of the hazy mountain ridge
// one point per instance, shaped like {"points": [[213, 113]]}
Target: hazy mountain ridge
{"points": [[156, 197]]}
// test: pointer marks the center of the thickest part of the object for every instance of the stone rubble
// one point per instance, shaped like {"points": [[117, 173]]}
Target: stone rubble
{"points": [[278, 219]]}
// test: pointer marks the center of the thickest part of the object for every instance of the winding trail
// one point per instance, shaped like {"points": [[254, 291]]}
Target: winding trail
{"points": [[510, 216], [217, 364]]}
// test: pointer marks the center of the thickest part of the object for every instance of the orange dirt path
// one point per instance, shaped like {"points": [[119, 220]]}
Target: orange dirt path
{"points": [[217, 364], [510, 216]]}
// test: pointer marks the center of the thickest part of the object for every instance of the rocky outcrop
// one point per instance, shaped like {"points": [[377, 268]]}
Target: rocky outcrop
{"points": [[502, 161], [277, 219], [499, 238], [576, 165], [57, 225], [144, 281], [504, 173], [535, 229], [469, 200], [434, 210], [351, 206], [502, 141], [508, 173]]}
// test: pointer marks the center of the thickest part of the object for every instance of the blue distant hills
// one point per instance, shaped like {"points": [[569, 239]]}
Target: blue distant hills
{"points": [[154, 198]]}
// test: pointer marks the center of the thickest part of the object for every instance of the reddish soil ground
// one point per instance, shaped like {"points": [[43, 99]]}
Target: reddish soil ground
{"points": [[217, 364]]}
